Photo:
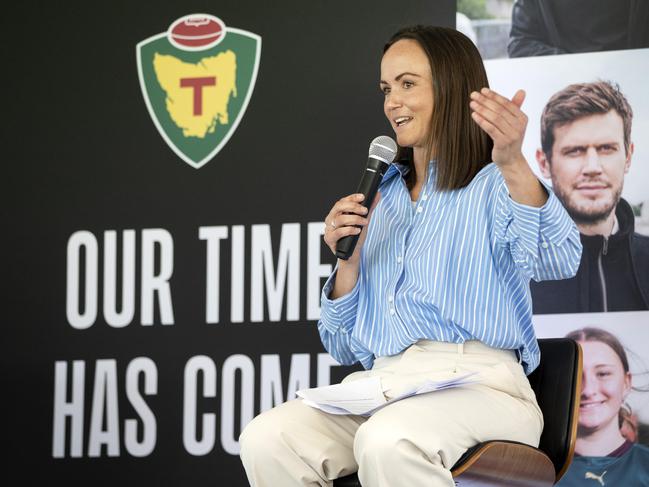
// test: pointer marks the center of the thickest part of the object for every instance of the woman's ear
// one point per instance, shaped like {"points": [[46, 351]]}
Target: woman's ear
{"points": [[628, 383]]}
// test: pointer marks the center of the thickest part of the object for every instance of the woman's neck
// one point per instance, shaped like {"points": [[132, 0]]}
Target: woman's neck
{"points": [[420, 165], [601, 442]]}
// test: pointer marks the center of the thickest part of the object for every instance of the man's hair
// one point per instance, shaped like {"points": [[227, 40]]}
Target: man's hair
{"points": [[582, 100], [459, 145]]}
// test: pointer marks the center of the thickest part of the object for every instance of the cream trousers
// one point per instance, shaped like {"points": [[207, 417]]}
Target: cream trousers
{"points": [[413, 442]]}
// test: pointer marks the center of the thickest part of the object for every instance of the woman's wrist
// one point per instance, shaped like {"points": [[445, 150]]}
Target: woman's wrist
{"points": [[523, 185], [346, 277], [351, 263]]}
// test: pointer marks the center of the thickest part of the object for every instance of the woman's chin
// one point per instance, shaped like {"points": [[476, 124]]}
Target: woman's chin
{"points": [[404, 140], [591, 423]]}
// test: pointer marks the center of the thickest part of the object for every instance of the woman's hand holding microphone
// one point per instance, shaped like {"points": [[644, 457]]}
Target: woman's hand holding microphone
{"points": [[348, 217]]}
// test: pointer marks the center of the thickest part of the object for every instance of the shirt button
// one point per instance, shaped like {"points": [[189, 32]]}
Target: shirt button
{"points": [[424, 197], [399, 260], [420, 209], [390, 298], [392, 311], [544, 245]]}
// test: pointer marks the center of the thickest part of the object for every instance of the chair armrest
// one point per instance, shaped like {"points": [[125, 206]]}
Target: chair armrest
{"points": [[498, 463]]}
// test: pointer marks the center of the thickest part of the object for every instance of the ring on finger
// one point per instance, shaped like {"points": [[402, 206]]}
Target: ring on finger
{"points": [[333, 224]]}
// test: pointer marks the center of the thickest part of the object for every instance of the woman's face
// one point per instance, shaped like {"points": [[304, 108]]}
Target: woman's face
{"points": [[406, 82], [604, 385]]}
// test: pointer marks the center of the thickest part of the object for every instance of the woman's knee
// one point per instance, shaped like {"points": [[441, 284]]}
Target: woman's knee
{"points": [[379, 442], [257, 436], [274, 430]]}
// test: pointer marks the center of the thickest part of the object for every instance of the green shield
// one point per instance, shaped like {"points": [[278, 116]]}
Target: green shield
{"points": [[197, 98]]}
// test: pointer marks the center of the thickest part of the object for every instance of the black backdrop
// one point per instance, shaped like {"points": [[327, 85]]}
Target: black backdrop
{"points": [[81, 152]]}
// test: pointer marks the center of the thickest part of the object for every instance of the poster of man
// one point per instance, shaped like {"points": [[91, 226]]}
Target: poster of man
{"points": [[586, 151], [587, 116]]}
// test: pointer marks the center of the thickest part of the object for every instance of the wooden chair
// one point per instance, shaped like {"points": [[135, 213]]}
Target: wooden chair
{"points": [[557, 385]]}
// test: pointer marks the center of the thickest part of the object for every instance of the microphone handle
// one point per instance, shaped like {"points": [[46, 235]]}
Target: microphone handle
{"points": [[368, 186]]}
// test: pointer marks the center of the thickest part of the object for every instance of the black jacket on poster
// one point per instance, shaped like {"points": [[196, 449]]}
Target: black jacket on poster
{"points": [[613, 274], [545, 27]]}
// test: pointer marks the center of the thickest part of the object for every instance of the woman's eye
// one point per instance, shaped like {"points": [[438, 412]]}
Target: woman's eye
{"points": [[385, 90], [408, 84]]}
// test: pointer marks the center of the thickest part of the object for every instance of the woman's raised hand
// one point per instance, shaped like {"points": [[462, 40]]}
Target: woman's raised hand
{"points": [[504, 121], [345, 218]]}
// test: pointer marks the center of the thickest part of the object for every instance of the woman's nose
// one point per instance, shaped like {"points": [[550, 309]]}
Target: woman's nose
{"points": [[392, 100], [588, 385]]}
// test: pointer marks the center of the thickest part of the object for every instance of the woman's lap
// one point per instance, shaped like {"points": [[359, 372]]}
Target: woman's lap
{"points": [[437, 427]]}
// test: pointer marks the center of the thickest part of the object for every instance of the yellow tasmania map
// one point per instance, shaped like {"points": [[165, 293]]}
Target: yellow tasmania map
{"points": [[197, 95]]}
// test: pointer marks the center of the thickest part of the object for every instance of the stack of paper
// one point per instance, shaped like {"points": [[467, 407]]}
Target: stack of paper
{"points": [[364, 397]]}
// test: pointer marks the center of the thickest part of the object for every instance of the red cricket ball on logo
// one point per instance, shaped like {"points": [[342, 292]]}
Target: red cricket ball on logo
{"points": [[196, 32]]}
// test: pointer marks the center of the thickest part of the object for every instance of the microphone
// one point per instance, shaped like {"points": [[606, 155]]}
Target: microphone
{"points": [[381, 154]]}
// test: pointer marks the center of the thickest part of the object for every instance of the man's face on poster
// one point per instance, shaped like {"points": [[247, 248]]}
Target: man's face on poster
{"points": [[587, 166]]}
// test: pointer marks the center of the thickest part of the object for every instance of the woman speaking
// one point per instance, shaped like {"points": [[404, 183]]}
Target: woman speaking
{"points": [[437, 286]]}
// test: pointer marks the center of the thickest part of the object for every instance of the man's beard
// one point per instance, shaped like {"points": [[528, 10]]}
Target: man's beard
{"points": [[586, 216]]}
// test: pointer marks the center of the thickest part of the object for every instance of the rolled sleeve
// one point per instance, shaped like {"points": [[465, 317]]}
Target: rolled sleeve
{"points": [[544, 242], [340, 313], [337, 319]]}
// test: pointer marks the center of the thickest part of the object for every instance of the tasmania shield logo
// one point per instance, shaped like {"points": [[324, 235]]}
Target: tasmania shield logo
{"points": [[197, 79]]}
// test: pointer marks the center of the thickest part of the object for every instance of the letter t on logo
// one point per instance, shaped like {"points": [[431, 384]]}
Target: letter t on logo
{"points": [[197, 84]]}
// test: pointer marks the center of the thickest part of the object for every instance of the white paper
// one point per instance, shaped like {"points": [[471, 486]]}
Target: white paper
{"points": [[364, 397]]}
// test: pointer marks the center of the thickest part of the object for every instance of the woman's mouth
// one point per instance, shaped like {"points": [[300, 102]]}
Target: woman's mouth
{"points": [[585, 406], [401, 121]]}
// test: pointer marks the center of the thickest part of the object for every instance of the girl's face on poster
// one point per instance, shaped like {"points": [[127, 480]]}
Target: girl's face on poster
{"points": [[406, 83], [604, 385]]}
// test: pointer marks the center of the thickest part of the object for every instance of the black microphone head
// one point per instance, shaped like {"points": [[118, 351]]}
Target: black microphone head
{"points": [[383, 148]]}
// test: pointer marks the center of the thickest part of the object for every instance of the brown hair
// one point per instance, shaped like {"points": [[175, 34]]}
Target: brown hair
{"points": [[591, 334], [460, 147], [582, 100]]}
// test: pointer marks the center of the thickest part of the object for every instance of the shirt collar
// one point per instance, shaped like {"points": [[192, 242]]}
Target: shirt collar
{"points": [[403, 169], [395, 169]]}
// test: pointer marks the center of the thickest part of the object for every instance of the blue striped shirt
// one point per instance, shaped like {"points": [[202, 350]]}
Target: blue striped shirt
{"points": [[454, 267]]}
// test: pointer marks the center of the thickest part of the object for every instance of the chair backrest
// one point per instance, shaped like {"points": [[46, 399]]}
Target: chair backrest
{"points": [[557, 385]]}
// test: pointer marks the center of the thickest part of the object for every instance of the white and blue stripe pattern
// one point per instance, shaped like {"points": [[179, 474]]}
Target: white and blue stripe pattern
{"points": [[454, 268]]}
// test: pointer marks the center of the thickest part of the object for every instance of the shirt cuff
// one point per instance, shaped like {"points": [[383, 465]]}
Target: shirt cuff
{"points": [[340, 313], [556, 224], [545, 225]]}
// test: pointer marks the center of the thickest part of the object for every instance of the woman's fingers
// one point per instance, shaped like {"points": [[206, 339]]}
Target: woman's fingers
{"points": [[500, 103], [332, 236], [501, 118], [499, 110], [341, 232], [492, 130], [348, 204], [519, 98], [347, 217], [343, 221], [492, 111], [503, 121], [491, 122]]}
